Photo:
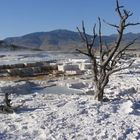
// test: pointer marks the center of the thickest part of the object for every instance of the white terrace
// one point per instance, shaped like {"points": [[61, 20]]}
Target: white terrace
{"points": [[74, 66]]}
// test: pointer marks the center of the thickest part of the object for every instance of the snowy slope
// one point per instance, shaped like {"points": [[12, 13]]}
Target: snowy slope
{"points": [[48, 116]]}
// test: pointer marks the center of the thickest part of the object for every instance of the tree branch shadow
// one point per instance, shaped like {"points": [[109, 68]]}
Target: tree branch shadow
{"points": [[24, 110], [23, 89]]}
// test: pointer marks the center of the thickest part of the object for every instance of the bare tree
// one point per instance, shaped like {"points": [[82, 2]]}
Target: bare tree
{"points": [[6, 108], [7, 100], [108, 56]]}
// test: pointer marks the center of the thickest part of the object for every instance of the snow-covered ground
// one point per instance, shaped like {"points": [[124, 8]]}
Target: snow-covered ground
{"points": [[33, 56], [54, 112]]}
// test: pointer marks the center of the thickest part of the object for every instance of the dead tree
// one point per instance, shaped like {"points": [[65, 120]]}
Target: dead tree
{"points": [[7, 100], [6, 108], [108, 56]]}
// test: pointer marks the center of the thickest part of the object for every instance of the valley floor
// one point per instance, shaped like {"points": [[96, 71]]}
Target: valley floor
{"points": [[46, 115]]}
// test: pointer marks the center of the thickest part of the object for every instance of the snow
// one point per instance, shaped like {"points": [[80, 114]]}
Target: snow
{"points": [[54, 112], [34, 56]]}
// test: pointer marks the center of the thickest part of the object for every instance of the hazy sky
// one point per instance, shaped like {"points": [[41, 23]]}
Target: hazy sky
{"points": [[19, 17]]}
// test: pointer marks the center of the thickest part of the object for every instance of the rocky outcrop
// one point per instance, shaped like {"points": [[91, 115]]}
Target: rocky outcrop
{"points": [[27, 69]]}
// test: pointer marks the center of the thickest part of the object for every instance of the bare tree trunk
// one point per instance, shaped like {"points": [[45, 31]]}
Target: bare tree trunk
{"points": [[99, 94], [99, 89]]}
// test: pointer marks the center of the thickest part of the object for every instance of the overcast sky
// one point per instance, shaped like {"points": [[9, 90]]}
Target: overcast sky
{"points": [[19, 17]]}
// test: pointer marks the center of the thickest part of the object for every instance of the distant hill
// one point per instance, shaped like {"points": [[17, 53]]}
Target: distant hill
{"points": [[54, 40], [62, 40]]}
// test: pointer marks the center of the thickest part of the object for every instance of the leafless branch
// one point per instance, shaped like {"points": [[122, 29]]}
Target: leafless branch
{"points": [[93, 38], [100, 41], [81, 34], [124, 48], [132, 24], [119, 69], [118, 9], [113, 25], [127, 13], [82, 52]]}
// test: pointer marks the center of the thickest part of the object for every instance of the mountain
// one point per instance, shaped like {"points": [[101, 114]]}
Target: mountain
{"points": [[54, 40], [63, 40]]}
